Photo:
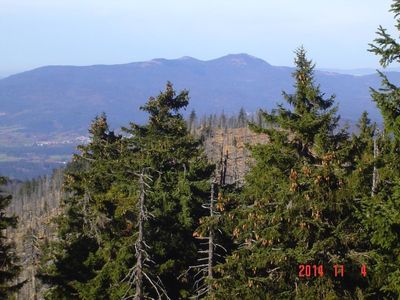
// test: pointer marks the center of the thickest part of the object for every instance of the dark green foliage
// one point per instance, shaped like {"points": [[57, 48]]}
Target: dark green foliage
{"points": [[95, 256], [387, 99], [84, 224], [382, 210], [314, 195], [364, 161], [296, 206], [9, 269], [180, 174]]}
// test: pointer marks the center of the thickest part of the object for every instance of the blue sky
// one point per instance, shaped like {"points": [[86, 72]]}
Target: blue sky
{"points": [[83, 32]]}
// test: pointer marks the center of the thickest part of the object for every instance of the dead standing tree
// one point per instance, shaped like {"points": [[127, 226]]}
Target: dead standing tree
{"points": [[375, 178], [139, 246], [211, 244], [223, 167], [137, 274], [33, 251], [204, 269], [204, 275]]}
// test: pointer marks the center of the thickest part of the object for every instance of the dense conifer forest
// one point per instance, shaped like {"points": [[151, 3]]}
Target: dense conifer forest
{"points": [[283, 204]]}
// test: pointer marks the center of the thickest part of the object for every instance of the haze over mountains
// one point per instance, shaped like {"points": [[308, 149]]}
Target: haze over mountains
{"points": [[44, 112], [59, 99]]}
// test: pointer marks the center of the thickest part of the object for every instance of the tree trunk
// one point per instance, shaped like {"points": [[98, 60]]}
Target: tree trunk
{"points": [[139, 243], [211, 243], [375, 171]]}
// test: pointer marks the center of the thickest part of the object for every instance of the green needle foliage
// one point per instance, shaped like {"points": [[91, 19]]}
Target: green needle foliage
{"points": [[382, 210], [296, 206], [364, 161], [179, 173], [86, 219], [96, 257], [9, 269], [132, 221]]}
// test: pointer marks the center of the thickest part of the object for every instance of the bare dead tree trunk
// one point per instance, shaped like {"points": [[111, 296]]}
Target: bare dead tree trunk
{"points": [[137, 275], [235, 166], [33, 265], [33, 258], [224, 167], [33, 278], [375, 171], [211, 243], [139, 242], [203, 277]]}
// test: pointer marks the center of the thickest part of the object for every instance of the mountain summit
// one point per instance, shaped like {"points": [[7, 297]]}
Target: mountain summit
{"points": [[241, 59]]}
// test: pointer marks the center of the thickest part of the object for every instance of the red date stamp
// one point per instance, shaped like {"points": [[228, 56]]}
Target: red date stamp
{"points": [[308, 271], [311, 270]]}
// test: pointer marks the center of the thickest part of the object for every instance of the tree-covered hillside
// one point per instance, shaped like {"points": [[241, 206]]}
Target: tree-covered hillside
{"points": [[285, 204]]}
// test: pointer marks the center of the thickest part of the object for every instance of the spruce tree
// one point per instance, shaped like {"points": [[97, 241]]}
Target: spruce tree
{"points": [[180, 172], [159, 182], [382, 210], [9, 269], [364, 145], [297, 207], [85, 223]]}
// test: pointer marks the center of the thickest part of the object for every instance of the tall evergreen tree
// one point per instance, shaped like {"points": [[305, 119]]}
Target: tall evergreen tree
{"points": [[86, 223], [382, 210], [138, 232], [296, 207], [364, 146], [180, 172], [9, 269]]}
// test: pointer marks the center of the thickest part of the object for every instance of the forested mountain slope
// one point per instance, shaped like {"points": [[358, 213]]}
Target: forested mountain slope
{"points": [[54, 100]]}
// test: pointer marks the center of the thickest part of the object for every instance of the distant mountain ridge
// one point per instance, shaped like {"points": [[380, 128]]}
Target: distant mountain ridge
{"points": [[359, 71], [60, 99]]}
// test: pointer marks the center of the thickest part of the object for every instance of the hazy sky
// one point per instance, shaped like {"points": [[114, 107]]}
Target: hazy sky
{"points": [[81, 32]]}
